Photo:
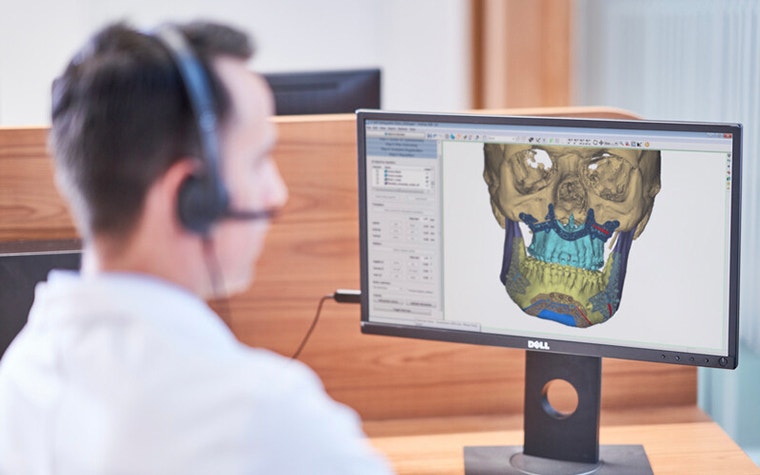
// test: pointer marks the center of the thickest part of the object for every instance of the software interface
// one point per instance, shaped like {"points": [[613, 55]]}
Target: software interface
{"points": [[608, 236]]}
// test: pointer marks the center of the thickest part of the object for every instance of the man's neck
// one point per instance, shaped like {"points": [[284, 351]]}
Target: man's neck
{"points": [[178, 260]]}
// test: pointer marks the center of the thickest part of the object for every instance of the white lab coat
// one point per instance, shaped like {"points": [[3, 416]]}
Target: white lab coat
{"points": [[128, 374]]}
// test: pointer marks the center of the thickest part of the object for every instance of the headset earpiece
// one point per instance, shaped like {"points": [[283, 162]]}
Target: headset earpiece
{"points": [[202, 198], [198, 206]]}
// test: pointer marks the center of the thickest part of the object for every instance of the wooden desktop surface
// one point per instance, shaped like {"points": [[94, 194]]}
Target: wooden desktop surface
{"points": [[689, 443], [686, 448]]}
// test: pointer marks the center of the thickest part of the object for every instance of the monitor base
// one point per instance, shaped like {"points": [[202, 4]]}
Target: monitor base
{"points": [[614, 459]]}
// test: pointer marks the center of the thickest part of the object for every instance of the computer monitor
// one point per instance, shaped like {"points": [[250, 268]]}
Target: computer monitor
{"points": [[574, 239], [22, 266], [325, 92]]}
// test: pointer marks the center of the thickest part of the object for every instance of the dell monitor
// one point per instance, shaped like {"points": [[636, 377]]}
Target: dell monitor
{"points": [[324, 92], [574, 239]]}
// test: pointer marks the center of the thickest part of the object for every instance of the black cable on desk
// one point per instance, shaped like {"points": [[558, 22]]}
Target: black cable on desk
{"points": [[340, 296]]}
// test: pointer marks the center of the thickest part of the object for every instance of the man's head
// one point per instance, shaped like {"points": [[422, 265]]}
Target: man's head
{"points": [[124, 129], [121, 118]]}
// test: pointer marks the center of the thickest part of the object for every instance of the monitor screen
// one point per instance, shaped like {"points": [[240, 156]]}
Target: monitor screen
{"points": [[22, 266], [589, 237], [325, 92]]}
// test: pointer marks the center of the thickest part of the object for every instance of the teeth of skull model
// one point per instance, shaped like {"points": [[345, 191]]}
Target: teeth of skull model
{"points": [[586, 196]]}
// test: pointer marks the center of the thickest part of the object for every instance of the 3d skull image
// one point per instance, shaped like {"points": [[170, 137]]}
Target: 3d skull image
{"points": [[573, 200]]}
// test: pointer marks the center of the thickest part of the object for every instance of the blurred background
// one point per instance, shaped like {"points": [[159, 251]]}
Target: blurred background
{"points": [[662, 59]]}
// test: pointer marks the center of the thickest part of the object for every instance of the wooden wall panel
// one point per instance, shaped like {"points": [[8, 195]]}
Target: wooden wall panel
{"points": [[30, 207], [313, 249], [521, 52]]}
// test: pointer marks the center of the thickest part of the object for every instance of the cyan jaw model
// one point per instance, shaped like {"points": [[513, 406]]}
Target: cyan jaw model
{"points": [[562, 275]]}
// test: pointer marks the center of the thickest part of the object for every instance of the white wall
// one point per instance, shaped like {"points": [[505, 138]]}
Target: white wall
{"points": [[422, 46]]}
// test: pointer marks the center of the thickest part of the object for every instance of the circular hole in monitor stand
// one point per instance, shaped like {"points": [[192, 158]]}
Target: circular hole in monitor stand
{"points": [[559, 398]]}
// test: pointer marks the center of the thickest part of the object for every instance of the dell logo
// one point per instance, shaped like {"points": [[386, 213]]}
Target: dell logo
{"points": [[538, 345]]}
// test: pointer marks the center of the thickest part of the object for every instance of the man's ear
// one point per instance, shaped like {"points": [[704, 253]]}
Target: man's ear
{"points": [[163, 195], [179, 171]]}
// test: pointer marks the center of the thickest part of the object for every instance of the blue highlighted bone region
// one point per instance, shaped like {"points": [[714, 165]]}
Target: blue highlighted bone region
{"points": [[571, 244]]}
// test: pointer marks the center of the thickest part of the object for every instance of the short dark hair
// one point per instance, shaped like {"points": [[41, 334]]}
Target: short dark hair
{"points": [[121, 118]]}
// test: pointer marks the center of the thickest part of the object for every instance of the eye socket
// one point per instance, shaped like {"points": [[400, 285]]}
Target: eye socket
{"points": [[607, 175], [532, 170]]}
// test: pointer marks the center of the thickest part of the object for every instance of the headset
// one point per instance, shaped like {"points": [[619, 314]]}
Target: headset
{"points": [[203, 198]]}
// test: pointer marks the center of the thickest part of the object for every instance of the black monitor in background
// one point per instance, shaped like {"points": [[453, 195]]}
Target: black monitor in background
{"points": [[22, 266], [573, 239], [325, 92]]}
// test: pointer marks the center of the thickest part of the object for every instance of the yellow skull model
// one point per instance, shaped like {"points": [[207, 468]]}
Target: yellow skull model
{"points": [[573, 200]]}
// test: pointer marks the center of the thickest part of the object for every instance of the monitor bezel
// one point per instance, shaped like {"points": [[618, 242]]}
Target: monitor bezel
{"points": [[325, 92], [727, 361]]}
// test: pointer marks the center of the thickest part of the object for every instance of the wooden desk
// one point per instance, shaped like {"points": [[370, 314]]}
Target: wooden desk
{"points": [[697, 446]]}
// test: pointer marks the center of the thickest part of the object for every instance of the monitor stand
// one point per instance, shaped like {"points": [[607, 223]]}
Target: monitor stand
{"points": [[558, 443]]}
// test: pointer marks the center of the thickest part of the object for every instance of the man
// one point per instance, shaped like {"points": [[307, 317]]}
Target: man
{"points": [[123, 368]]}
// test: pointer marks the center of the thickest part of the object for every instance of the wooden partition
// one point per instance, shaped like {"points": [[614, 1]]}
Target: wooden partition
{"points": [[313, 249]]}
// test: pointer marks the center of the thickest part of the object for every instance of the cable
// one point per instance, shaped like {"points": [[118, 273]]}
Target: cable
{"points": [[216, 279], [311, 328], [340, 296]]}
